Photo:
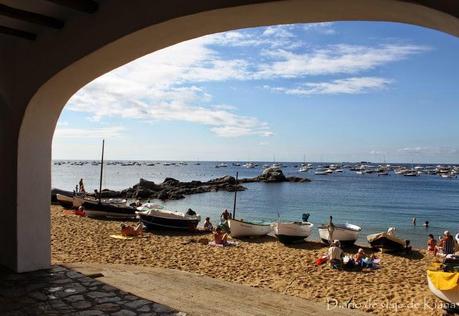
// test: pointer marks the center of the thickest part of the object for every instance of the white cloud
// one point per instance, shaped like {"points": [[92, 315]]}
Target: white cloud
{"points": [[336, 59], [104, 132], [429, 150], [165, 85], [354, 85], [322, 28]]}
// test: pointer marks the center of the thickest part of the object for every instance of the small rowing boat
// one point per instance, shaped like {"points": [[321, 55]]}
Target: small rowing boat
{"points": [[154, 217], [240, 228], [290, 232], [347, 233], [387, 241]]}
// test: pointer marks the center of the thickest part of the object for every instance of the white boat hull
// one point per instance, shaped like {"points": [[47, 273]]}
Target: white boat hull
{"points": [[293, 231], [104, 214], [450, 296], [344, 235], [243, 229]]}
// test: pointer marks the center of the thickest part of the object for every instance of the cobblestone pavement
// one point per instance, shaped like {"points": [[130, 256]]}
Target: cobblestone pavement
{"points": [[60, 291]]}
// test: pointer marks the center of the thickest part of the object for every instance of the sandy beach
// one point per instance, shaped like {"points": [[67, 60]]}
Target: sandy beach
{"points": [[399, 287]]}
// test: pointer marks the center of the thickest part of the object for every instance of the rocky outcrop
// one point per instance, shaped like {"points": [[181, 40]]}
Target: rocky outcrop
{"points": [[173, 189], [274, 175]]}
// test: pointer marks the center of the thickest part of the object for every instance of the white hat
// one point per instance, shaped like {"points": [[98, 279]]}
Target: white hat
{"points": [[446, 233]]}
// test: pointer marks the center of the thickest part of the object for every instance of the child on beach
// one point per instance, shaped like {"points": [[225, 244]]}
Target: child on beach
{"points": [[432, 245], [220, 237], [208, 227]]}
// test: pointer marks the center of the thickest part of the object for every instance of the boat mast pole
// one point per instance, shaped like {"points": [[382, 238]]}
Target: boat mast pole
{"points": [[235, 196], [101, 171]]}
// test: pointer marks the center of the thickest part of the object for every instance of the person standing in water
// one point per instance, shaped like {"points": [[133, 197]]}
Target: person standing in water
{"points": [[414, 221]]}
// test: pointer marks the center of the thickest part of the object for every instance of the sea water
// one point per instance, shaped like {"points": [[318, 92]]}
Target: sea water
{"points": [[369, 201]]}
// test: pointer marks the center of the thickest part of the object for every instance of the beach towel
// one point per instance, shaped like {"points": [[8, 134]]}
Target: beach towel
{"points": [[443, 281], [74, 212], [228, 244], [121, 237]]}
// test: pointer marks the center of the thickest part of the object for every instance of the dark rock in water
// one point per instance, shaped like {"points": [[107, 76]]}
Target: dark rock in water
{"points": [[173, 189], [274, 175]]}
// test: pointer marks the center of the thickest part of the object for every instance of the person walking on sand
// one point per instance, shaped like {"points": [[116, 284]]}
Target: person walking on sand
{"points": [[331, 229], [225, 216]]}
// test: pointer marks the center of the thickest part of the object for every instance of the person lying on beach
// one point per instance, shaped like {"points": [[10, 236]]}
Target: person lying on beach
{"points": [[432, 245], [220, 237], [208, 227], [80, 211], [335, 255], [131, 231], [447, 243]]}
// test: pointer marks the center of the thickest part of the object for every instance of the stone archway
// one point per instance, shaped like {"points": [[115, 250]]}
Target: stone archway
{"points": [[118, 34]]}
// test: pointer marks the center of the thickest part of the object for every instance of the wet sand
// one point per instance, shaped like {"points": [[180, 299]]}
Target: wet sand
{"points": [[399, 287]]}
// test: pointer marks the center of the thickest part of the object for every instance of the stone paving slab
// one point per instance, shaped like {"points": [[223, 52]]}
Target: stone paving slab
{"points": [[62, 291], [204, 296]]}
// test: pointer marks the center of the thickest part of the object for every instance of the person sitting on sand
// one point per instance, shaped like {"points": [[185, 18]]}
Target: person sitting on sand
{"points": [[80, 211], [335, 255], [131, 231], [208, 227], [359, 256], [432, 244], [447, 243], [220, 237]]}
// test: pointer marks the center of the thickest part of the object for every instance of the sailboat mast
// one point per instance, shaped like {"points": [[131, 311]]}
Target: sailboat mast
{"points": [[101, 171], [235, 196]]}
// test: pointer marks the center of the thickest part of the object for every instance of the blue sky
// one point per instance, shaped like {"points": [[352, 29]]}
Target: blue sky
{"points": [[344, 91]]}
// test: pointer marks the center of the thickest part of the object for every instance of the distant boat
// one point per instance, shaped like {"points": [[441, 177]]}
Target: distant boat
{"points": [[304, 169], [347, 234], [241, 228], [411, 174], [387, 241], [249, 165], [290, 232], [321, 172], [153, 217]]}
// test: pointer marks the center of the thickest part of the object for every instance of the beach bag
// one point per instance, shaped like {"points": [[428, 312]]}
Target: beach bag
{"points": [[321, 260]]}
